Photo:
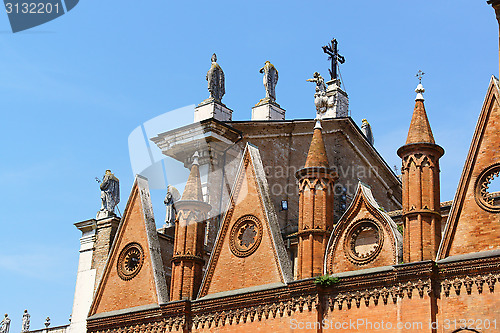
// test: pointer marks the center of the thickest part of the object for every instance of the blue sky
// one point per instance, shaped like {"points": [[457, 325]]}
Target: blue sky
{"points": [[72, 90]]}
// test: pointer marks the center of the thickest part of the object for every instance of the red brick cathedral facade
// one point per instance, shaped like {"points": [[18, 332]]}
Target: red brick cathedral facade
{"points": [[374, 276]]}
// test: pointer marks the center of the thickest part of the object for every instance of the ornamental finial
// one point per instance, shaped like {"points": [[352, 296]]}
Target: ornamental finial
{"points": [[318, 123], [196, 155], [420, 88]]}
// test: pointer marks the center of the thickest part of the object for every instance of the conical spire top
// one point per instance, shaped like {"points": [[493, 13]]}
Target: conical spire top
{"points": [[317, 153], [420, 129], [193, 191]]}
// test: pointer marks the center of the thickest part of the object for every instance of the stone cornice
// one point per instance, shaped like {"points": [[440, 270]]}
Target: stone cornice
{"points": [[209, 137], [86, 226]]}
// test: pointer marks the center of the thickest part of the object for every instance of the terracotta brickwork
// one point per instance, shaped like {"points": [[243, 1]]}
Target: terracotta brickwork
{"points": [[468, 296], [115, 293], [365, 237], [421, 189], [247, 250], [284, 146], [188, 253], [474, 225], [422, 297], [316, 198], [377, 279]]}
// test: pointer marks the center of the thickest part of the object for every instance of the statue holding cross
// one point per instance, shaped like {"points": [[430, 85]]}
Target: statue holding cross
{"points": [[333, 55], [330, 100]]}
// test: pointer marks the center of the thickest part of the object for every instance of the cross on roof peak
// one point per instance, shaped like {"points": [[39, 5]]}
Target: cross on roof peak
{"points": [[419, 75], [333, 55]]}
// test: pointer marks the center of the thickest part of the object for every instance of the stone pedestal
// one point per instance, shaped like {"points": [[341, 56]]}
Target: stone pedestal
{"points": [[210, 108], [106, 229], [338, 102], [103, 214], [266, 109]]}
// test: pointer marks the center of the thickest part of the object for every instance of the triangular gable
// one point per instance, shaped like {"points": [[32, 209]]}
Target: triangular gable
{"points": [[472, 226], [134, 274], [249, 250], [364, 237]]}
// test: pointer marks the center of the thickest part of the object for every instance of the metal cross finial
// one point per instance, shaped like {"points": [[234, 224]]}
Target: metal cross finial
{"points": [[419, 75], [333, 53]]}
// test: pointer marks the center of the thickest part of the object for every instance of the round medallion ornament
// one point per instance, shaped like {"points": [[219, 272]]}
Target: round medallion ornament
{"points": [[245, 236], [363, 242], [130, 261], [484, 198]]}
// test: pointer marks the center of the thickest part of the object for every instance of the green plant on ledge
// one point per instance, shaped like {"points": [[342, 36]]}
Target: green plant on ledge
{"points": [[326, 280]]}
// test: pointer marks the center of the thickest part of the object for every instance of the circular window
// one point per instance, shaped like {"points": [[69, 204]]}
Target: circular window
{"points": [[245, 236], [485, 195], [130, 261], [363, 242]]}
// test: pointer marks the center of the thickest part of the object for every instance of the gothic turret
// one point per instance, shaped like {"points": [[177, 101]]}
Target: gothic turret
{"points": [[421, 199], [316, 190], [187, 259]]}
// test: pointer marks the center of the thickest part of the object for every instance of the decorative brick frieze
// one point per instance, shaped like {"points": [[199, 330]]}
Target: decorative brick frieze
{"points": [[469, 284], [256, 313], [379, 288], [382, 295]]}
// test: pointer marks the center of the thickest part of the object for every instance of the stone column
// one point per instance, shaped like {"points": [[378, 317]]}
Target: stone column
{"points": [[85, 278], [95, 244]]}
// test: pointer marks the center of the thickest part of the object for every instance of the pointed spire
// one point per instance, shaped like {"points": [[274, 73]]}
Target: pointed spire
{"points": [[317, 153], [420, 129], [193, 191]]}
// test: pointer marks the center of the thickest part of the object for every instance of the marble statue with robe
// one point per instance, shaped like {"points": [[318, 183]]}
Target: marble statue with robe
{"points": [[320, 98], [26, 322], [320, 83], [5, 324], [172, 196], [215, 78], [270, 80], [110, 195]]}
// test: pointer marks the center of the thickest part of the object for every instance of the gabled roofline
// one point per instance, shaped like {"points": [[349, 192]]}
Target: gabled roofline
{"points": [[364, 191], [141, 183], [284, 264], [465, 178]]}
